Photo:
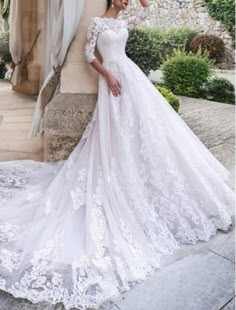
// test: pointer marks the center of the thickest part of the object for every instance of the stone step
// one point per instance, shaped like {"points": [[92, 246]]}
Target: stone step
{"points": [[21, 146], [15, 126], [17, 106], [20, 112], [11, 155], [16, 112], [17, 134], [19, 119]]}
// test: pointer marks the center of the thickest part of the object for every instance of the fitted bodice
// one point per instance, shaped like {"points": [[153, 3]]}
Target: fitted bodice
{"points": [[111, 43], [110, 35]]}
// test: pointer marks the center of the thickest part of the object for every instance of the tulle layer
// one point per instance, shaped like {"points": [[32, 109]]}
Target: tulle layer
{"points": [[138, 185]]}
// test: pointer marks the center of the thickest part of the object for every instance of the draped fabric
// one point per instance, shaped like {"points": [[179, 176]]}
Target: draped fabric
{"points": [[16, 45], [62, 22]]}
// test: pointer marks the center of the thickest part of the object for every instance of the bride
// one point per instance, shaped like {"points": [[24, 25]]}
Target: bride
{"points": [[137, 186]]}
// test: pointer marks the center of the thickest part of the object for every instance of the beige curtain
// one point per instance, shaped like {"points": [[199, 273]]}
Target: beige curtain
{"points": [[61, 25], [16, 47]]}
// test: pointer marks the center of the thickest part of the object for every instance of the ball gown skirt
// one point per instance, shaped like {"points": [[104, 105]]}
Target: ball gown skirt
{"points": [[137, 186]]}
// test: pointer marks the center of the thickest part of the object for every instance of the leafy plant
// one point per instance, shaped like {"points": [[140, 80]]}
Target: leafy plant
{"points": [[224, 11], [6, 57], [185, 73], [3, 70], [142, 50], [166, 40], [219, 89], [213, 45], [169, 96], [4, 42]]}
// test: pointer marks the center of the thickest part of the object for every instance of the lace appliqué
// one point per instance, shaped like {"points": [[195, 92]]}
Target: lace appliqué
{"points": [[9, 260], [78, 195], [9, 231], [12, 180]]}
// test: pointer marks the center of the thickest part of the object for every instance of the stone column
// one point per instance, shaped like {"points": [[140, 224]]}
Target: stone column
{"points": [[32, 21], [67, 115]]}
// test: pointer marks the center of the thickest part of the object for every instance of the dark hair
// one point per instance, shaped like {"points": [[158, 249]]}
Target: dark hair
{"points": [[108, 3]]}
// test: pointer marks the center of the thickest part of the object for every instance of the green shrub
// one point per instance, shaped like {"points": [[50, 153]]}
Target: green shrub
{"points": [[169, 96], [185, 73], [219, 89], [3, 70], [142, 50], [166, 40], [148, 47], [6, 57], [224, 11], [4, 42], [213, 45]]}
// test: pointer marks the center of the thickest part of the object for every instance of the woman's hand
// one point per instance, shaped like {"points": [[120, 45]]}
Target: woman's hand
{"points": [[113, 85], [144, 3]]}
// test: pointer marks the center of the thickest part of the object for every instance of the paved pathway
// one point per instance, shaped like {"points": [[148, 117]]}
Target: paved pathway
{"points": [[16, 112], [199, 277]]}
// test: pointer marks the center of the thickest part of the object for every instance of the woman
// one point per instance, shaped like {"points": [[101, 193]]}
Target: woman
{"points": [[137, 186]]}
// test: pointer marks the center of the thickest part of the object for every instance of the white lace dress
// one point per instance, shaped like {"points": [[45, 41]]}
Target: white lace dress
{"points": [[137, 186]]}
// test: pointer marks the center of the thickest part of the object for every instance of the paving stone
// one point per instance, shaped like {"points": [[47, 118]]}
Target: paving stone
{"points": [[223, 245], [12, 119], [16, 126], [16, 111], [7, 156], [230, 305], [8, 302], [225, 153], [197, 282], [207, 120], [20, 146], [215, 244]]}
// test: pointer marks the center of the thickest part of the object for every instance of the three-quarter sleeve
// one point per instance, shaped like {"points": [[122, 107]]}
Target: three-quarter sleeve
{"points": [[143, 14], [91, 40]]}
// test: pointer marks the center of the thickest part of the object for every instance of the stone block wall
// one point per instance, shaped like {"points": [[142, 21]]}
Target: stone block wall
{"points": [[66, 118]]}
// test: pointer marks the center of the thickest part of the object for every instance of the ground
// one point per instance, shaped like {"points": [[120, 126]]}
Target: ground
{"points": [[197, 277], [16, 111]]}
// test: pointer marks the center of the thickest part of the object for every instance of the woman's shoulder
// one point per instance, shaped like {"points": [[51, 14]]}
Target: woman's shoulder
{"points": [[95, 19], [94, 22]]}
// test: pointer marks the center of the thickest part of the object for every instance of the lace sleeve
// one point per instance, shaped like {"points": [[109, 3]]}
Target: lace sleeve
{"points": [[144, 13], [91, 40]]}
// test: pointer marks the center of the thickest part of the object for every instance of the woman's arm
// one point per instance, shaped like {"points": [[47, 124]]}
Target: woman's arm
{"points": [[145, 3], [146, 11], [92, 35]]}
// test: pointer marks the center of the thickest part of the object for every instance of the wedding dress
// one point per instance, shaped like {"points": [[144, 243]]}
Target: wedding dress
{"points": [[138, 185]]}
